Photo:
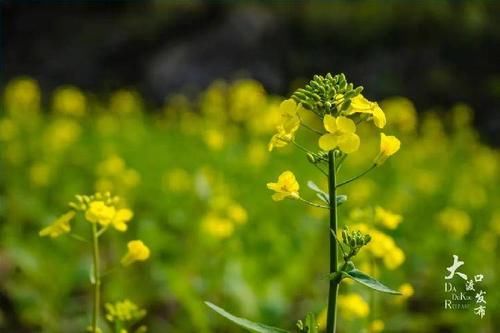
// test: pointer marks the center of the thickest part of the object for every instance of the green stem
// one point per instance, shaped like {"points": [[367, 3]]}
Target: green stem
{"points": [[304, 149], [358, 176], [313, 204], [96, 283], [309, 128], [372, 295], [334, 283]]}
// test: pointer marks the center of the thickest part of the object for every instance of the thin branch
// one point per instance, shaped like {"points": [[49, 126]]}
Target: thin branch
{"points": [[310, 203], [356, 177], [308, 127], [319, 168], [78, 237], [101, 231], [341, 160], [304, 149]]}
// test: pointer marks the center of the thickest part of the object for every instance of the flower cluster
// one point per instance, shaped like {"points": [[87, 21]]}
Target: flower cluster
{"points": [[102, 211], [354, 240], [124, 314], [340, 108]]}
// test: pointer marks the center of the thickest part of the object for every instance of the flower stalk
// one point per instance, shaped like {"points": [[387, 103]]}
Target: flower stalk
{"points": [[334, 283], [96, 278]]}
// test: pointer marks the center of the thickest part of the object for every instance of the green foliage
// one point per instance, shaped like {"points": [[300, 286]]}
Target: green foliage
{"points": [[368, 281], [245, 323]]}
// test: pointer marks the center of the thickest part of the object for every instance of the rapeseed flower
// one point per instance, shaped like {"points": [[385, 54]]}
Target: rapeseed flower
{"points": [[58, 227], [69, 101], [360, 104], [217, 226], [137, 251], [406, 290], [124, 311], [287, 186], [455, 221], [389, 145], [387, 218], [341, 134], [99, 212], [401, 112], [22, 95], [290, 124], [376, 326], [353, 306]]}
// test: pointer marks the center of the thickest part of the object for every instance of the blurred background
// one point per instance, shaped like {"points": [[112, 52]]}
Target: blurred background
{"points": [[171, 105]]}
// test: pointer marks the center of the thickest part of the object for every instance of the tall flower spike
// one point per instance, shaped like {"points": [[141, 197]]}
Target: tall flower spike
{"points": [[341, 134], [389, 145], [287, 186]]}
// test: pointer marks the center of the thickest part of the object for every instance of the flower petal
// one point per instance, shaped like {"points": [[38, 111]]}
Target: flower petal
{"points": [[378, 116], [346, 125], [360, 104], [328, 142], [330, 123], [279, 196], [288, 107], [349, 143]]}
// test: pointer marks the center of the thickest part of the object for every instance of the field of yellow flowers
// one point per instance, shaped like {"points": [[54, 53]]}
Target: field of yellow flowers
{"points": [[193, 174]]}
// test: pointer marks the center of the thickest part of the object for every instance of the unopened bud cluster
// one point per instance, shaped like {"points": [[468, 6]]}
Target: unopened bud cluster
{"points": [[327, 94], [355, 240], [83, 201]]}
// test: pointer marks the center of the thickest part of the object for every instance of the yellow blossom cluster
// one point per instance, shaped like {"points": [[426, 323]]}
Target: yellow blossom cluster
{"points": [[223, 216], [123, 311]]}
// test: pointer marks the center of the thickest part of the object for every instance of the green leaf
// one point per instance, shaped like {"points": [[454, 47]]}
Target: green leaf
{"points": [[311, 323], [341, 199], [319, 192], [369, 282], [245, 323]]}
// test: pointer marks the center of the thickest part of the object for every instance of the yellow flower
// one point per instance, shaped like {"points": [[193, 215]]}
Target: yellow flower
{"points": [[394, 258], [237, 213], [290, 125], [401, 112], [353, 306], [387, 218], [376, 326], [121, 218], [360, 104], [455, 221], [406, 290], [59, 226], [137, 251], [216, 226], [99, 212], [123, 311], [70, 101], [287, 186], [22, 95], [389, 145], [125, 102], [341, 133], [214, 138]]}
